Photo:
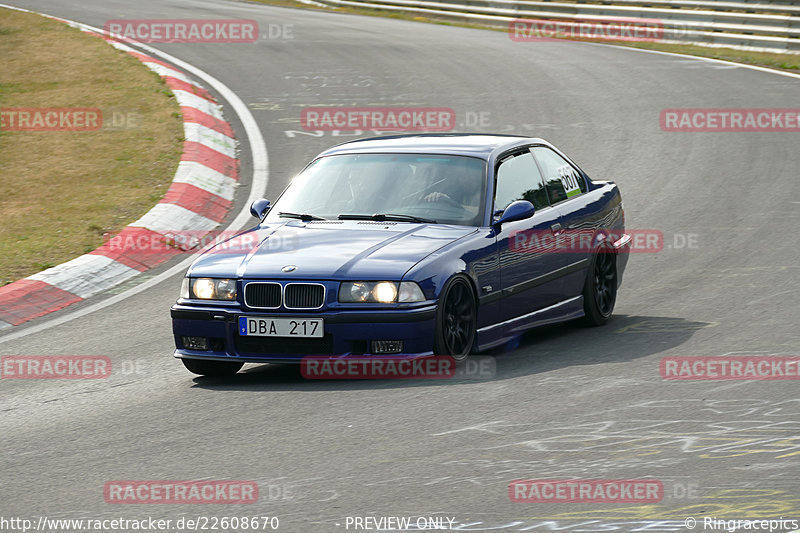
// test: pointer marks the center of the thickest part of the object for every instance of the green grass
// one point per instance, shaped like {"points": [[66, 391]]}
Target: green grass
{"points": [[63, 192]]}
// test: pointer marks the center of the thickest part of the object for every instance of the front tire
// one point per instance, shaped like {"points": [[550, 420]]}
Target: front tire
{"points": [[600, 288], [212, 369], [456, 320]]}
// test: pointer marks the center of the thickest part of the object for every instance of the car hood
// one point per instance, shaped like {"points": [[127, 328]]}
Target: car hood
{"points": [[327, 250]]}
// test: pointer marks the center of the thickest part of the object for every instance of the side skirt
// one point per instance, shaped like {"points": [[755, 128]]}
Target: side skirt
{"points": [[500, 333]]}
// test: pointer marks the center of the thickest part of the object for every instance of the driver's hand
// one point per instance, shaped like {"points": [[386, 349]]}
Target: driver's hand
{"points": [[434, 196]]}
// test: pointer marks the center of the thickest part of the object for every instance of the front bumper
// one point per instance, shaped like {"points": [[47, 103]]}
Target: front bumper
{"points": [[347, 332]]}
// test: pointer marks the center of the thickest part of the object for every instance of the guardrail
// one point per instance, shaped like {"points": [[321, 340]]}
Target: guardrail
{"points": [[755, 25]]}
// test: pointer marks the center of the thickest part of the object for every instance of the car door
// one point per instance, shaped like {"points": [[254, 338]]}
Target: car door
{"points": [[526, 263], [565, 189]]}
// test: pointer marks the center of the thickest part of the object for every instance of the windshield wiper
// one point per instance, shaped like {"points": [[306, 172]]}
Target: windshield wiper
{"points": [[388, 217], [305, 217]]}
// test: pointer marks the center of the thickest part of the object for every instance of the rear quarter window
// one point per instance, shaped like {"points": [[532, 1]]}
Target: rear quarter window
{"points": [[562, 180]]}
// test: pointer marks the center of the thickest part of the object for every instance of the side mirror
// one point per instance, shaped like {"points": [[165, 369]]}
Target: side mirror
{"points": [[519, 210], [259, 208]]}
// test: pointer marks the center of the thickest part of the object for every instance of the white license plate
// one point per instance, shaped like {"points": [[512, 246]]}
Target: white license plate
{"points": [[265, 326]]}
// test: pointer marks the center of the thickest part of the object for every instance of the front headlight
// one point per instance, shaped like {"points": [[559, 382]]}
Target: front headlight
{"points": [[213, 289], [385, 292]]}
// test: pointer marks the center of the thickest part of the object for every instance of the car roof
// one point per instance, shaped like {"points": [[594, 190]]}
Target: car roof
{"points": [[470, 144]]}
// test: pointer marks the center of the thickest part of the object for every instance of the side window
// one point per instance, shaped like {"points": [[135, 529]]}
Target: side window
{"points": [[563, 181], [518, 178]]}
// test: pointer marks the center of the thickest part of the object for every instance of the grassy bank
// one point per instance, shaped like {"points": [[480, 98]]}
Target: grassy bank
{"points": [[61, 191]]}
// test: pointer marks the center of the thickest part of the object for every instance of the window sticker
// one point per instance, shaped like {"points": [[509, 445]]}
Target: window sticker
{"points": [[570, 180]]}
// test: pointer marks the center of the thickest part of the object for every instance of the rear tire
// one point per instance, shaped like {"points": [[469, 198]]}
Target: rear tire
{"points": [[212, 369], [456, 320], [600, 288]]}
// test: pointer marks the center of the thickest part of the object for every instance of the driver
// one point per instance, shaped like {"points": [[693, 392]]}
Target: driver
{"points": [[459, 185]]}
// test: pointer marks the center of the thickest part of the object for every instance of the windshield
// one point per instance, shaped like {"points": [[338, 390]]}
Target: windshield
{"points": [[442, 188]]}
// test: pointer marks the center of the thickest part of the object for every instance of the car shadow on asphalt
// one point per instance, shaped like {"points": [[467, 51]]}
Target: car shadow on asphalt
{"points": [[541, 350]]}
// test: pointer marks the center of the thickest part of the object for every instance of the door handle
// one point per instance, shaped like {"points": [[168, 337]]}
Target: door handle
{"points": [[556, 228]]}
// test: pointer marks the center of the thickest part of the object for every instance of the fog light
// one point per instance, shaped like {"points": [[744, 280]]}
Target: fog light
{"points": [[195, 343], [387, 346]]}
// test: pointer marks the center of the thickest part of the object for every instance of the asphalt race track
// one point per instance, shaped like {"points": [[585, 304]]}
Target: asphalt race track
{"points": [[568, 402]]}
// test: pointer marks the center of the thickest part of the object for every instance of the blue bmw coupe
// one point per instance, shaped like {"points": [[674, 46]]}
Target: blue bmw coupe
{"points": [[420, 244]]}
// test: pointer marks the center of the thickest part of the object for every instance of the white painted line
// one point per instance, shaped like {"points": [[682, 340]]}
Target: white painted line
{"points": [[187, 99], [86, 275], [169, 218], [313, 3], [707, 59], [206, 178], [215, 140], [4, 325]]}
